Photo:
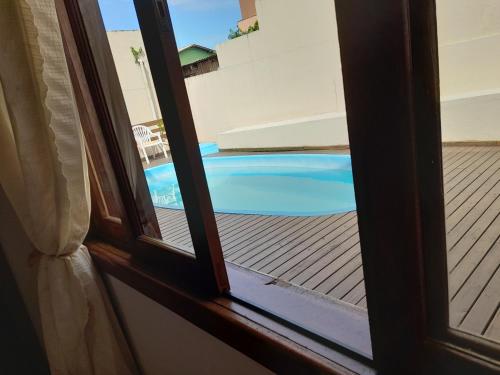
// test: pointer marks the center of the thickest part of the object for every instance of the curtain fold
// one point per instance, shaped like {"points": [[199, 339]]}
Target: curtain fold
{"points": [[44, 175]]}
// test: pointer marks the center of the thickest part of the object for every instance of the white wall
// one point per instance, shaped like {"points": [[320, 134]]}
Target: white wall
{"points": [[141, 102], [289, 68], [473, 117], [469, 46], [302, 132], [164, 342], [273, 84]]}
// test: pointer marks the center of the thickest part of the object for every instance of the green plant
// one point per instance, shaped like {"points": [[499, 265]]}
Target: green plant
{"points": [[254, 27], [233, 34], [161, 125], [137, 53]]}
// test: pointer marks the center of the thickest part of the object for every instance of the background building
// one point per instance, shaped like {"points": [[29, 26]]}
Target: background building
{"points": [[196, 60], [248, 14]]}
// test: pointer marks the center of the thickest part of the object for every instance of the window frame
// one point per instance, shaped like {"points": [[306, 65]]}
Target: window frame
{"points": [[166, 70], [409, 28], [172, 268], [406, 107], [428, 141], [97, 75]]}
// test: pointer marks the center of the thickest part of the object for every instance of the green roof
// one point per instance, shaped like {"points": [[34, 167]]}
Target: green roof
{"points": [[194, 53]]}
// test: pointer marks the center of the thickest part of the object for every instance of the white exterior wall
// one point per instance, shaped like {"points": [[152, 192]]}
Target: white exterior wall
{"points": [[290, 68], [303, 132], [141, 105], [472, 117], [469, 58], [282, 86]]}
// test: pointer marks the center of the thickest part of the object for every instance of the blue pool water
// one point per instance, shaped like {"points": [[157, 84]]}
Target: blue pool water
{"points": [[208, 148], [279, 184]]}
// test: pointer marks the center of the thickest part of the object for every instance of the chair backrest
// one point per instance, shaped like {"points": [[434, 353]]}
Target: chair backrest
{"points": [[142, 133]]}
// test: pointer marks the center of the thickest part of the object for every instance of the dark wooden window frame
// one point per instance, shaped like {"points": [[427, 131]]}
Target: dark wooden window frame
{"points": [[267, 340], [137, 229], [390, 70], [389, 54]]}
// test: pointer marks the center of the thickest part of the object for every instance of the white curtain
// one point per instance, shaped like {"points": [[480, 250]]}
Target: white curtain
{"points": [[43, 172]]}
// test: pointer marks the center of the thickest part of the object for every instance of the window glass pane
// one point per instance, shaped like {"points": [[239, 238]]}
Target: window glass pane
{"points": [[269, 102], [469, 58], [151, 143], [265, 87]]}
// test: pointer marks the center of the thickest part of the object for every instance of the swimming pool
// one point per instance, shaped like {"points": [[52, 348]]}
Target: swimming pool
{"points": [[208, 148], [278, 184]]}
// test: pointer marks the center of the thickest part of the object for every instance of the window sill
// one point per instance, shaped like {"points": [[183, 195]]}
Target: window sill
{"points": [[262, 337]]}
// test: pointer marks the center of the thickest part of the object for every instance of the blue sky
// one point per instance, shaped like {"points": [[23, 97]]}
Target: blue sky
{"points": [[205, 22]]}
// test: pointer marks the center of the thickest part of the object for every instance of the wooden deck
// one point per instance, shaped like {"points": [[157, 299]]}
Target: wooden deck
{"points": [[323, 253]]}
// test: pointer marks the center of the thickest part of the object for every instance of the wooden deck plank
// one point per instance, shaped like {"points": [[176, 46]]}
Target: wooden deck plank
{"points": [[355, 294], [180, 234], [178, 227], [260, 258], [462, 157], [279, 229], [238, 229], [461, 204], [256, 250], [330, 282], [475, 204], [323, 256], [488, 247], [340, 290], [493, 330], [468, 177], [469, 290], [303, 248], [314, 274], [475, 222], [234, 221], [451, 176], [481, 235], [252, 234], [173, 224], [323, 253], [331, 243], [362, 303], [170, 226], [454, 156], [483, 311]]}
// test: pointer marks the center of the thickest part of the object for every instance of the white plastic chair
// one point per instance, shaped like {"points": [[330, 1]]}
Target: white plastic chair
{"points": [[145, 138]]}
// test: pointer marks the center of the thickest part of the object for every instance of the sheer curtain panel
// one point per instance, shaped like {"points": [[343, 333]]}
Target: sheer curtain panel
{"points": [[44, 175]]}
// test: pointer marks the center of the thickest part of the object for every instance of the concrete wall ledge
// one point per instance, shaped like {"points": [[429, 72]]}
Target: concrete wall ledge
{"points": [[327, 129], [472, 117]]}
